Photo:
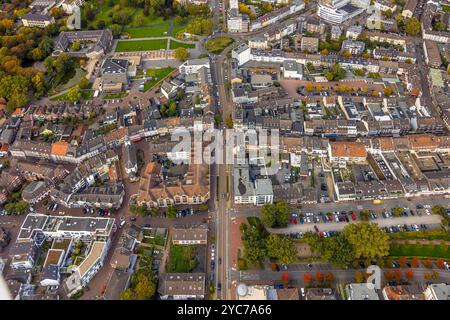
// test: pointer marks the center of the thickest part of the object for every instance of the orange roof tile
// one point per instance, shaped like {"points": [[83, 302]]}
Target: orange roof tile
{"points": [[60, 148], [348, 149]]}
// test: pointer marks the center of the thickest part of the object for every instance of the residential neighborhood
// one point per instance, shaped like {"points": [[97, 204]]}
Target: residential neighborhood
{"points": [[225, 150]]}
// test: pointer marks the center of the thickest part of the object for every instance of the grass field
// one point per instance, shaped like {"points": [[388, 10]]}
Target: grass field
{"points": [[217, 44], [424, 251], [141, 45], [181, 259], [157, 75], [176, 44], [143, 32]]}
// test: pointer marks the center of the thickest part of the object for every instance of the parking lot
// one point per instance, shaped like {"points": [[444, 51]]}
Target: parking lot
{"points": [[325, 223]]}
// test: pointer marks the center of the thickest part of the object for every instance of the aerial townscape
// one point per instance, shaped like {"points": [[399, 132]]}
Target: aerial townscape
{"points": [[225, 150]]}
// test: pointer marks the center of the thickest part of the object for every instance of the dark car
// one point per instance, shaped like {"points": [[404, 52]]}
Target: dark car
{"points": [[219, 286], [316, 228]]}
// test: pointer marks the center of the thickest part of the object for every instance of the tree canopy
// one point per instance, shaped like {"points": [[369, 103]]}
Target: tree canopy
{"points": [[366, 240], [275, 215], [282, 248]]}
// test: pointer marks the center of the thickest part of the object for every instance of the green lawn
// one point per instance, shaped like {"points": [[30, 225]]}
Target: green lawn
{"points": [[176, 44], [181, 259], [141, 45], [157, 75], [423, 251], [149, 20], [143, 32], [218, 44], [177, 29]]}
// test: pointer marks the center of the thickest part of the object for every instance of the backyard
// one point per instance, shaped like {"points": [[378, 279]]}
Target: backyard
{"points": [[156, 76], [181, 259], [141, 45]]}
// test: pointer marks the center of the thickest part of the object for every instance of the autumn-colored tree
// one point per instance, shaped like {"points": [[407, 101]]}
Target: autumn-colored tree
{"points": [[388, 275], [330, 277], [318, 277], [319, 87], [440, 263], [398, 274], [324, 52], [435, 275], [409, 274], [387, 91], [346, 54], [427, 264], [359, 278], [309, 86], [427, 276], [307, 278], [285, 278], [415, 263], [342, 88], [402, 262], [375, 93]]}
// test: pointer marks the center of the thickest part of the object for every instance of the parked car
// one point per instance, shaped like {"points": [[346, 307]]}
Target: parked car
{"points": [[132, 218]]}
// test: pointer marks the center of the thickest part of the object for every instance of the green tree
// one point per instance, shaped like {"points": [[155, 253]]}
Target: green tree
{"points": [[254, 246], [75, 46], [83, 83], [127, 295], [366, 240], [74, 94], [282, 248], [412, 27], [145, 288], [275, 215], [218, 119], [181, 54], [229, 121], [171, 212], [139, 20], [154, 212]]}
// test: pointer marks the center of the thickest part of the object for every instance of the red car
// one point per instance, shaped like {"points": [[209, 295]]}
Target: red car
{"points": [[330, 218], [353, 216]]}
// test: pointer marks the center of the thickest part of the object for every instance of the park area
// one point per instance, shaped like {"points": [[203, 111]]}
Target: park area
{"points": [[420, 251], [218, 44], [182, 259], [141, 45], [156, 76]]}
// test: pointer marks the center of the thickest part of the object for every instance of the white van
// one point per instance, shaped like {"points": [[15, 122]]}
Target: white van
{"points": [[122, 224]]}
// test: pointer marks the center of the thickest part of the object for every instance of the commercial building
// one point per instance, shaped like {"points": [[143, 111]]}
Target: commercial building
{"points": [[337, 11], [292, 70], [241, 53], [257, 192]]}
